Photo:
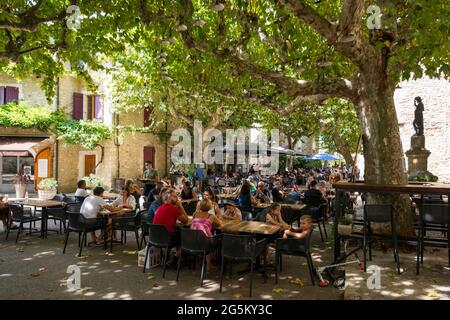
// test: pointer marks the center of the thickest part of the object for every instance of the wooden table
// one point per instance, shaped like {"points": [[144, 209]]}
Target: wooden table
{"points": [[252, 227], [44, 204], [299, 206], [109, 213]]}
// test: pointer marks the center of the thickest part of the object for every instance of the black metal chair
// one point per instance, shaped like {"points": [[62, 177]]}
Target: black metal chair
{"points": [[318, 216], [80, 199], [290, 215], [379, 213], [78, 223], [294, 247], [132, 223], [58, 213], [241, 248], [162, 238], [18, 214], [190, 207], [195, 242], [432, 214]]}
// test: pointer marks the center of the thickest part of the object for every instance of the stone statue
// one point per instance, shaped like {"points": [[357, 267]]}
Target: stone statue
{"points": [[418, 116]]}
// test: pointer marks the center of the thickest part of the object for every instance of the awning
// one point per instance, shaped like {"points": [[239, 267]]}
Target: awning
{"points": [[23, 147]]}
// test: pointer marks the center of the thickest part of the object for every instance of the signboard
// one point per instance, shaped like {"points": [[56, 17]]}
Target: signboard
{"points": [[42, 168]]}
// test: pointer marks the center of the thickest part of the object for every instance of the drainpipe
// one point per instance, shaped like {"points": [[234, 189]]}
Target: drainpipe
{"points": [[166, 151], [57, 142]]}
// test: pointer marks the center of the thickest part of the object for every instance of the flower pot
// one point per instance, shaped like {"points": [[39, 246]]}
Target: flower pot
{"points": [[21, 189], [46, 194], [345, 230]]}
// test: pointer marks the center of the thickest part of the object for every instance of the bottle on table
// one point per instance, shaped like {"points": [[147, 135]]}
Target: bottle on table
{"points": [[26, 196]]}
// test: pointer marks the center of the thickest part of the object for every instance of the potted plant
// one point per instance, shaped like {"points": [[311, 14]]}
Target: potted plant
{"points": [[47, 189], [20, 185], [93, 181], [345, 225]]}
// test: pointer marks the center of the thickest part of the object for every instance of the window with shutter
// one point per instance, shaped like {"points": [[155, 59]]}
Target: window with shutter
{"points": [[149, 155], [90, 107], [11, 94], [77, 106], [98, 108], [2, 95]]}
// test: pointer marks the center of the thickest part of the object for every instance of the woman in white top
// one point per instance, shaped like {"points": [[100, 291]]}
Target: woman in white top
{"points": [[125, 200]]}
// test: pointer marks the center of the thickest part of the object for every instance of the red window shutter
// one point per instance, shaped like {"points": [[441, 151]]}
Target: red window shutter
{"points": [[98, 112], [11, 94], [77, 106], [2, 95], [147, 114], [149, 155]]}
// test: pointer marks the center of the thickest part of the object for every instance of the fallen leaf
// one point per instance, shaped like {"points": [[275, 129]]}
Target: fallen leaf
{"points": [[150, 277], [432, 294], [277, 290], [297, 281], [238, 295], [84, 289], [35, 274]]}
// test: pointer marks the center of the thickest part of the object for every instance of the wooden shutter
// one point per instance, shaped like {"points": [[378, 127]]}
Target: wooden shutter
{"points": [[2, 95], [98, 113], [77, 106], [147, 113], [11, 94], [89, 164], [149, 155]]}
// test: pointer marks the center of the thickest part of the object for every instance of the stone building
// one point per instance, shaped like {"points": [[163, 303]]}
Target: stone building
{"points": [[435, 94], [68, 163]]}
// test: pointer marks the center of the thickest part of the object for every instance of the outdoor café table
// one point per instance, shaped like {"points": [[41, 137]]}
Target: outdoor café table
{"points": [[44, 204], [108, 214], [295, 206]]}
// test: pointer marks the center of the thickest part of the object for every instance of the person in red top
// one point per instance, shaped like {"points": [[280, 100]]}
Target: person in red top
{"points": [[167, 214]]}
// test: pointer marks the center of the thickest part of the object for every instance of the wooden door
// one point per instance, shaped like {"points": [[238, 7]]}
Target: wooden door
{"points": [[149, 155], [42, 166], [89, 164]]}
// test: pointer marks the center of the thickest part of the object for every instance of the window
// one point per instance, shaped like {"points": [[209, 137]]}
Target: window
{"points": [[8, 94], [87, 107]]}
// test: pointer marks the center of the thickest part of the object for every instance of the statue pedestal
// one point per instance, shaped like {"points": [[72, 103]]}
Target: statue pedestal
{"points": [[418, 157]]}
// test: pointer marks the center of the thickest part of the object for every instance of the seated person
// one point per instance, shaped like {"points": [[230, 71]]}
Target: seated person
{"points": [[92, 206], [204, 221], [188, 193], [274, 216], [302, 231], [167, 214], [262, 195], [135, 190], [252, 184], [245, 199], [5, 214], [125, 200], [154, 193], [209, 194], [232, 212], [155, 205], [81, 191], [312, 196], [277, 194]]}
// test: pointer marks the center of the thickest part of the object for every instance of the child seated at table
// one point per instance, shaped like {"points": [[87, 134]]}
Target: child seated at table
{"points": [[302, 231], [204, 221]]}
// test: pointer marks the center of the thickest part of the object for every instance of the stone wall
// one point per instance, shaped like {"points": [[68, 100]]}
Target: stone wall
{"points": [[435, 96]]}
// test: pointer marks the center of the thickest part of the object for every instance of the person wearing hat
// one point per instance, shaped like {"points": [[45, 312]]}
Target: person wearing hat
{"points": [[232, 212]]}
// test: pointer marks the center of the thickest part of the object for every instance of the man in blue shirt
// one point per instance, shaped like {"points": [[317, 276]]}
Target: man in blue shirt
{"points": [[155, 205]]}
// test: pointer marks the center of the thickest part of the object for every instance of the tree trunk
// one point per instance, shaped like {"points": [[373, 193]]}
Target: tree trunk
{"points": [[383, 152], [342, 148]]}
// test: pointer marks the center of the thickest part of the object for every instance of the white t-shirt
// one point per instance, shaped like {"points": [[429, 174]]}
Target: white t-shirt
{"points": [[91, 206], [131, 201], [81, 193]]}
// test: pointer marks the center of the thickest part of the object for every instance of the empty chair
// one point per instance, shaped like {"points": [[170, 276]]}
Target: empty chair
{"points": [[195, 242], [160, 237], [78, 223], [433, 214], [294, 247], [379, 213], [290, 215], [190, 207], [132, 222], [18, 214], [241, 248], [58, 213]]}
